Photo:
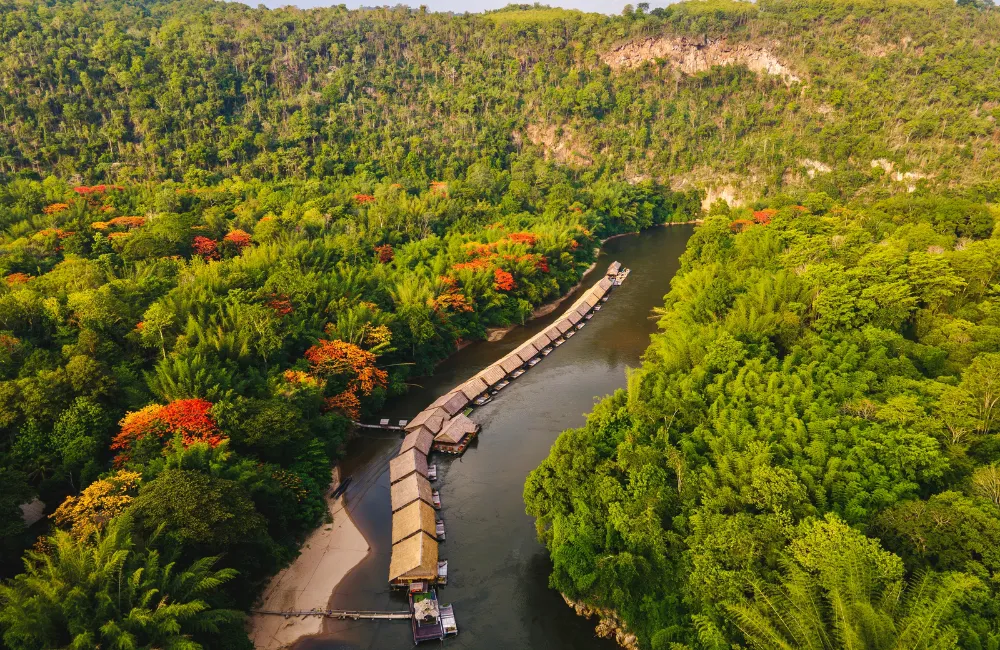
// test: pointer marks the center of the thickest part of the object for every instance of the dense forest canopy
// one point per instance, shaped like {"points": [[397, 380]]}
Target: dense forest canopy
{"points": [[226, 232]]}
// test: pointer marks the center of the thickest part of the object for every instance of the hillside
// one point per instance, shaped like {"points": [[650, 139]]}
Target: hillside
{"points": [[226, 232]]}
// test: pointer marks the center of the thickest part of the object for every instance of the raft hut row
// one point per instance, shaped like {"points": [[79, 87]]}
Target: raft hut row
{"points": [[443, 426]]}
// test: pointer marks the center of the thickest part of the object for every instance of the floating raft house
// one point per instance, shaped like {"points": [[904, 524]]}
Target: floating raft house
{"points": [[413, 519], [443, 426], [414, 559], [409, 490]]}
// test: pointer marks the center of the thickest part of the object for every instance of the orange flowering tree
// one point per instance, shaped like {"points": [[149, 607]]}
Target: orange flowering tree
{"points": [[348, 368], [502, 280], [189, 418], [238, 239]]}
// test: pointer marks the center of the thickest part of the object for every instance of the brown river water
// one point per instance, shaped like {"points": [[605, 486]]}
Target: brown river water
{"points": [[498, 571]]}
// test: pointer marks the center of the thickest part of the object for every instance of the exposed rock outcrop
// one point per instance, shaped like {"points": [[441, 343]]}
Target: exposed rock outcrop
{"points": [[691, 56], [610, 626], [560, 144]]}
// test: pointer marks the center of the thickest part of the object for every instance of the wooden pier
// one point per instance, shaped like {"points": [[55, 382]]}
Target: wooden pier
{"points": [[342, 614]]}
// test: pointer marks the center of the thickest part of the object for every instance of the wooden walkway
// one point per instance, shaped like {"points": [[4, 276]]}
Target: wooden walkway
{"points": [[342, 614]]}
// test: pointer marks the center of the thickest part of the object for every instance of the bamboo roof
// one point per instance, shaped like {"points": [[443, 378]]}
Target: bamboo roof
{"points": [[599, 291], [614, 268], [564, 326], [493, 375], [412, 488], [431, 417], [543, 339], [472, 388], [420, 439], [553, 332], [591, 299], [511, 362], [456, 430], [407, 463], [582, 310], [414, 558], [412, 519], [574, 317], [604, 284]]}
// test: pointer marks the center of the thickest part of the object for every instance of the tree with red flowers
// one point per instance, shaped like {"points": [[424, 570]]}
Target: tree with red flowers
{"points": [[189, 418], [207, 248], [385, 253], [502, 280]]}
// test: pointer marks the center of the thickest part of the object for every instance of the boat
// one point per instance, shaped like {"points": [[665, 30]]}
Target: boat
{"points": [[547, 351], [501, 385], [432, 472], [341, 488], [426, 620], [533, 362], [485, 398], [569, 334], [442, 572], [579, 326], [604, 298], [597, 307], [448, 620], [558, 342], [588, 316], [439, 530], [436, 498], [517, 373]]}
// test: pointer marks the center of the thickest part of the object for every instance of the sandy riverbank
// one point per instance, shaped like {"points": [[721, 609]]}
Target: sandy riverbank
{"points": [[328, 554]]}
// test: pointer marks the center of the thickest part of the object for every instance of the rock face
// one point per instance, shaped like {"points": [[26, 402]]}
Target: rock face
{"points": [[693, 56], [610, 626]]}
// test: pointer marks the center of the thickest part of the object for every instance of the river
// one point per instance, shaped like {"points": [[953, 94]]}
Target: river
{"points": [[498, 571]]}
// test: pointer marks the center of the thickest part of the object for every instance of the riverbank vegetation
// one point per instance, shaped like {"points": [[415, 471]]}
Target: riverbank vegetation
{"points": [[226, 231], [807, 456]]}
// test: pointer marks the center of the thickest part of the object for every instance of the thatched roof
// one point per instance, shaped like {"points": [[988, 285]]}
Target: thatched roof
{"points": [[614, 268], [604, 284], [451, 403], [553, 332], [416, 517], [591, 299], [431, 417], [456, 430], [414, 558], [526, 351], [564, 326], [412, 488], [493, 375], [574, 317], [473, 387], [583, 309], [542, 340], [407, 463], [511, 362], [419, 439]]}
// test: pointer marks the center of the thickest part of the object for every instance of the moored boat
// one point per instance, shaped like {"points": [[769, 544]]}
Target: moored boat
{"points": [[547, 351], [436, 499], [517, 373], [432, 472], [485, 398], [533, 361]]}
